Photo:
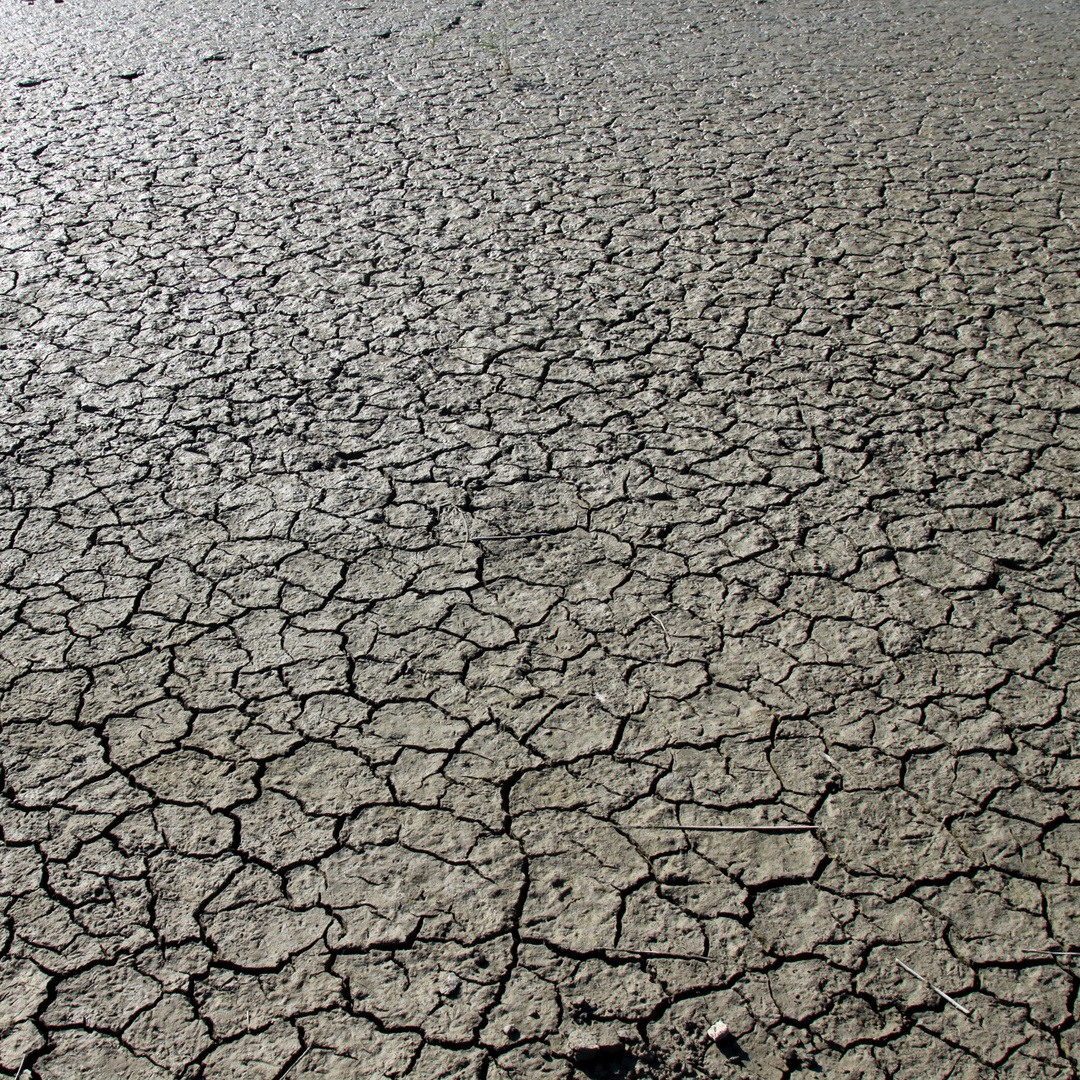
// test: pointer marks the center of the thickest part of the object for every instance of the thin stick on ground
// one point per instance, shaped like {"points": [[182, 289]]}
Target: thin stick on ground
{"points": [[505, 536], [295, 1063], [663, 955], [727, 828], [937, 989]]}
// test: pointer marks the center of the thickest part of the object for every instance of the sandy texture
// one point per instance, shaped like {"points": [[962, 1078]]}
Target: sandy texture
{"points": [[421, 479]]}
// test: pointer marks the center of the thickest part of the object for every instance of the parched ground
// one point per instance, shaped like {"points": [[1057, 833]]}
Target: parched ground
{"points": [[443, 442]]}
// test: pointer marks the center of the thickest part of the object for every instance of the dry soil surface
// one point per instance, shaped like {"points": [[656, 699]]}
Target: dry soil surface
{"points": [[444, 443]]}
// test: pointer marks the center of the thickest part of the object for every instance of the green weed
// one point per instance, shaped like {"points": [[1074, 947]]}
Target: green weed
{"points": [[498, 44]]}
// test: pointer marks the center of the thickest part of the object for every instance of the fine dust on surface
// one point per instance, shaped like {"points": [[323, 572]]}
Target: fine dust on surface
{"points": [[745, 333]]}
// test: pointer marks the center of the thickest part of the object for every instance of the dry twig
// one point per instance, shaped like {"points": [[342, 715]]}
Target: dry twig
{"points": [[293, 1065], [727, 828], [937, 990], [663, 955], [506, 536]]}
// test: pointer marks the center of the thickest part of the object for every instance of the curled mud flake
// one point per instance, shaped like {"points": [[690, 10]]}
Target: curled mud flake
{"points": [[584, 1046]]}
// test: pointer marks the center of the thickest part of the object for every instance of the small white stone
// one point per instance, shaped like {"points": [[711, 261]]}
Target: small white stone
{"points": [[718, 1031]]}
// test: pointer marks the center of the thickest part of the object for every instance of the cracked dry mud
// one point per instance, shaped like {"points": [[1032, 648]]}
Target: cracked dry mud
{"points": [[419, 480]]}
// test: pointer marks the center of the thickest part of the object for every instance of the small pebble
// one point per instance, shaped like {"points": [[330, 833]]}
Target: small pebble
{"points": [[718, 1031]]}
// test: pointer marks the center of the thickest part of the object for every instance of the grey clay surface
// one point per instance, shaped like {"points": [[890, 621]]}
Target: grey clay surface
{"points": [[754, 326]]}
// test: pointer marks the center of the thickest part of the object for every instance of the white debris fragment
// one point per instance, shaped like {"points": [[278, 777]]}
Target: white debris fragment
{"points": [[450, 984]]}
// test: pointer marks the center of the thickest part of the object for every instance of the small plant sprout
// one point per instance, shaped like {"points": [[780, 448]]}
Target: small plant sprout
{"points": [[498, 44], [434, 32]]}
